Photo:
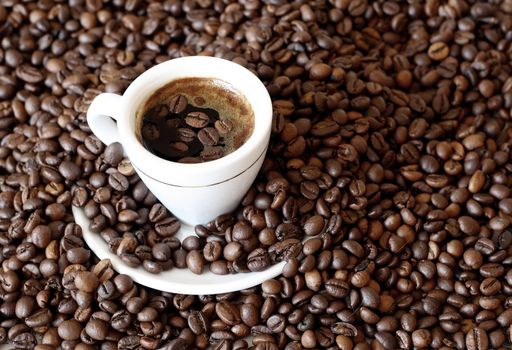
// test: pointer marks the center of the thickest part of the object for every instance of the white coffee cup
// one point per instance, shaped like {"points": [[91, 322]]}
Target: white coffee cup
{"points": [[194, 193]]}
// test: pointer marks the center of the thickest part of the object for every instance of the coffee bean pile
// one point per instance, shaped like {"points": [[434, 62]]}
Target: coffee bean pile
{"points": [[183, 132], [390, 154]]}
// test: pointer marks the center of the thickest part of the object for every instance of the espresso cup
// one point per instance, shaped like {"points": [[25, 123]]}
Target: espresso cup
{"points": [[194, 193]]}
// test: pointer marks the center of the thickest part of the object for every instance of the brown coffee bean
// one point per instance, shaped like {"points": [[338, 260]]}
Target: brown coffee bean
{"points": [[438, 51], [197, 120], [113, 153], [228, 313], [118, 181], [103, 270], [477, 338], [69, 330], [258, 260], [320, 71], [167, 227], [186, 135], [178, 104], [208, 136], [69, 170], [223, 126], [195, 261], [29, 74], [150, 132], [97, 329], [39, 318], [474, 141], [486, 88], [212, 153], [178, 147], [86, 281], [337, 288], [197, 322], [159, 111]]}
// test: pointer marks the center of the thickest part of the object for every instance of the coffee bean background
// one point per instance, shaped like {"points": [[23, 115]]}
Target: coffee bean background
{"points": [[390, 154]]}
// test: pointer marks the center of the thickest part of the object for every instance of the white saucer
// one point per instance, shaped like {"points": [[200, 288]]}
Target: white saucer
{"points": [[176, 280]]}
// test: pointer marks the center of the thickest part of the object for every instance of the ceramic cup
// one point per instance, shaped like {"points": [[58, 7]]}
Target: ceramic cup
{"points": [[194, 193]]}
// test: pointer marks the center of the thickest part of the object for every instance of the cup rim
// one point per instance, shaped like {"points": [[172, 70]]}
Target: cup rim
{"points": [[196, 174]]}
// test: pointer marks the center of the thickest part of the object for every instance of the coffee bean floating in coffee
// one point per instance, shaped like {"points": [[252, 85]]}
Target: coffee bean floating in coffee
{"points": [[194, 120]]}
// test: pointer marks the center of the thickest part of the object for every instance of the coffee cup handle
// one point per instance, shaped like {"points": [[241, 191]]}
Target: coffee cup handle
{"points": [[101, 117]]}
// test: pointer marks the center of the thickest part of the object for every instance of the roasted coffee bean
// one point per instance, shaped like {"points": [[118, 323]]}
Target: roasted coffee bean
{"points": [[97, 329], [337, 288], [284, 250], [208, 136], [150, 132], [186, 135], [69, 170], [477, 338], [438, 51], [195, 261], [152, 266], [24, 306], [197, 120], [69, 330], [344, 328], [197, 322], [129, 342], [178, 104], [24, 341], [212, 251], [29, 74], [167, 227], [211, 153], [39, 318], [118, 182], [223, 126], [103, 270], [228, 313], [258, 260], [86, 281]]}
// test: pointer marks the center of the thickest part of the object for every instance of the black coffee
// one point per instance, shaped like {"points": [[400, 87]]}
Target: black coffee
{"points": [[193, 120]]}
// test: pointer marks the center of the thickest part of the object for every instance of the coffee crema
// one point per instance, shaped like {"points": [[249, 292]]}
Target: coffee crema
{"points": [[193, 120]]}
